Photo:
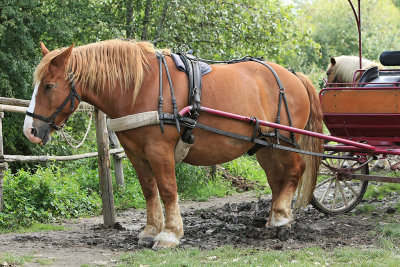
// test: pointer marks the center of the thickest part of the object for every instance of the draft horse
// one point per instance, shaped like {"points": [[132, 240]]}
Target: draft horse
{"points": [[121, 78]]}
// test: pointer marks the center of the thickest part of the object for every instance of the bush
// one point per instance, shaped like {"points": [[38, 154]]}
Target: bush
{"points": [[130, 196], [71, 190], [196, 183], [44, 196]]}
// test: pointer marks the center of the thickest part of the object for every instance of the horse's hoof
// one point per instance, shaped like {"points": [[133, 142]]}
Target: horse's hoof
{"points": [[146, 241], [277, 220], [165, 240], [164, 245]]}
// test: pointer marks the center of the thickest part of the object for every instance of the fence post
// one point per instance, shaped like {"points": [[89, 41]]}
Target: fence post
{"points": [[118, 169], [3, 165], [104, 169]]}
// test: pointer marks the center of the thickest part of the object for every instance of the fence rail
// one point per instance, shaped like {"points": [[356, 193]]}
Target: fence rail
{"points": [[20, 158], [103, 154]]}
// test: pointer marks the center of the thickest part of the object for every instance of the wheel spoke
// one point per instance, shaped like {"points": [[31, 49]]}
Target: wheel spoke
{"points": [[343, 195], [341, 163], [325, 192], [334, 195], [354, 164], [324, 182], [350, 187]]}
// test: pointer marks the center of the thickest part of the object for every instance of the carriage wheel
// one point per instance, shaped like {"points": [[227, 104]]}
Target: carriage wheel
{"points": [[335, 192]]}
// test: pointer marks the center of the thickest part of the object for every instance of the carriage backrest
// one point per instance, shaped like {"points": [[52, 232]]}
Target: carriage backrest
{"points": [[390, 58]]}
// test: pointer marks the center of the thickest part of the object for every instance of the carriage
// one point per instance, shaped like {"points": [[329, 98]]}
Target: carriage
{"points": [[365, 110], [162, 116]]}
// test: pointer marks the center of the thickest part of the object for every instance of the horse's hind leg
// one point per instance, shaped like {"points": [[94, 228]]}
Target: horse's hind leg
{"points": [[155, 217], [283, 170]]}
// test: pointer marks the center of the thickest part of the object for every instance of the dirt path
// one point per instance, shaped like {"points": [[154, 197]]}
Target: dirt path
{"points": [[235, 220]]}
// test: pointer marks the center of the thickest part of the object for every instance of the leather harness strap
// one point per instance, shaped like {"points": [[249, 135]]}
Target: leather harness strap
{"points": [[194, 76], [261, 142], [194, 79], [282, 96], [161, 59]]}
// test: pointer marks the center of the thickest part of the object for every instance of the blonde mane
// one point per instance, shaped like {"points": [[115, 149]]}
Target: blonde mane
{"points": [[106, 64], [346, 66]]}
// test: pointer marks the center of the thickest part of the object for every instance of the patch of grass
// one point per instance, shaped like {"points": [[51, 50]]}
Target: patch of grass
{"points": [[365, 208], [397, 207], [381, 190], [228, 256], [37, 227], [391, 230], [44, 261], [9, 259], [350, 256], [13, 260]]}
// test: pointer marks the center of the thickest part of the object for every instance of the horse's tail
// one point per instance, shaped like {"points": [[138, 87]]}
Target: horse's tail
{"points": [[307, 183]]}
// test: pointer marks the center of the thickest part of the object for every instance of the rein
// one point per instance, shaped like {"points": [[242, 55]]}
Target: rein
{"points": [[70, 98]]}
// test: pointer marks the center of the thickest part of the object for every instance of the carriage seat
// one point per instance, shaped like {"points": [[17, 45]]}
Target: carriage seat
{"points": [[390, 58], [372, 77]]}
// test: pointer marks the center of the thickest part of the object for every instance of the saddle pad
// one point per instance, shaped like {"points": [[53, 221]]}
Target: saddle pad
{"points": [[204, 67]]}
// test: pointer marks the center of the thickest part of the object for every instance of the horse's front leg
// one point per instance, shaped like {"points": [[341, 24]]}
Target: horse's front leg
{"points": [[162, 163], [155, 217]]}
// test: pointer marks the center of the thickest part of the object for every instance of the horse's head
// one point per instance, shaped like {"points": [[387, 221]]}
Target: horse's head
{"points": [[54, 97], [331, 71]]}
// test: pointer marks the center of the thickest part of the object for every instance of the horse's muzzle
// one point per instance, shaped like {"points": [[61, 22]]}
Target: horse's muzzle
{"points": [[39, 134]]}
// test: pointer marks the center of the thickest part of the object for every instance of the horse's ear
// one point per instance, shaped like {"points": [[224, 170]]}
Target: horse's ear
{"points": [[45, 51], [62, 59], [333, 61]]}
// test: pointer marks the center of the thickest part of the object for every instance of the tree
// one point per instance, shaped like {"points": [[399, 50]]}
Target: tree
{"points": [[219, 29], [334, 27]]}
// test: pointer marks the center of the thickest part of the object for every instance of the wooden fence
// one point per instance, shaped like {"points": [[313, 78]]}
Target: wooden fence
{"points": [[103, 154]]}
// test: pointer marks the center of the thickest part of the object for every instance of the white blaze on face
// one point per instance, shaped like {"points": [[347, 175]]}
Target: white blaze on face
{"points": [[28, 124]]}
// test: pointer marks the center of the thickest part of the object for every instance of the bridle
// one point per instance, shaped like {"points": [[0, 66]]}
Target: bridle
{"points": [[70, 98]]}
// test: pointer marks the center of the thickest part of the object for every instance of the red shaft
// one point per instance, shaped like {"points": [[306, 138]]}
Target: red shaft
{"points": [[280, 127]]}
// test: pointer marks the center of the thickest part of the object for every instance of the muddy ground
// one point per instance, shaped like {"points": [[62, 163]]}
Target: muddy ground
{"points": [[235, 220]]}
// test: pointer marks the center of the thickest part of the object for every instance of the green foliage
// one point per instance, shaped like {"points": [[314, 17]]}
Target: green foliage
{"points": [[248, 167], [366, 208], [44, 196], [334, 27], [396, 2], [12, 260], [22, 25], [194, 183], [35, 227], [73, 191], [130, 196], [391, 231], [380, 190]]}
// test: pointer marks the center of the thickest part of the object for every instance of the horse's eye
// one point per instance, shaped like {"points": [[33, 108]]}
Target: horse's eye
{"points": [[49, 86]]}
